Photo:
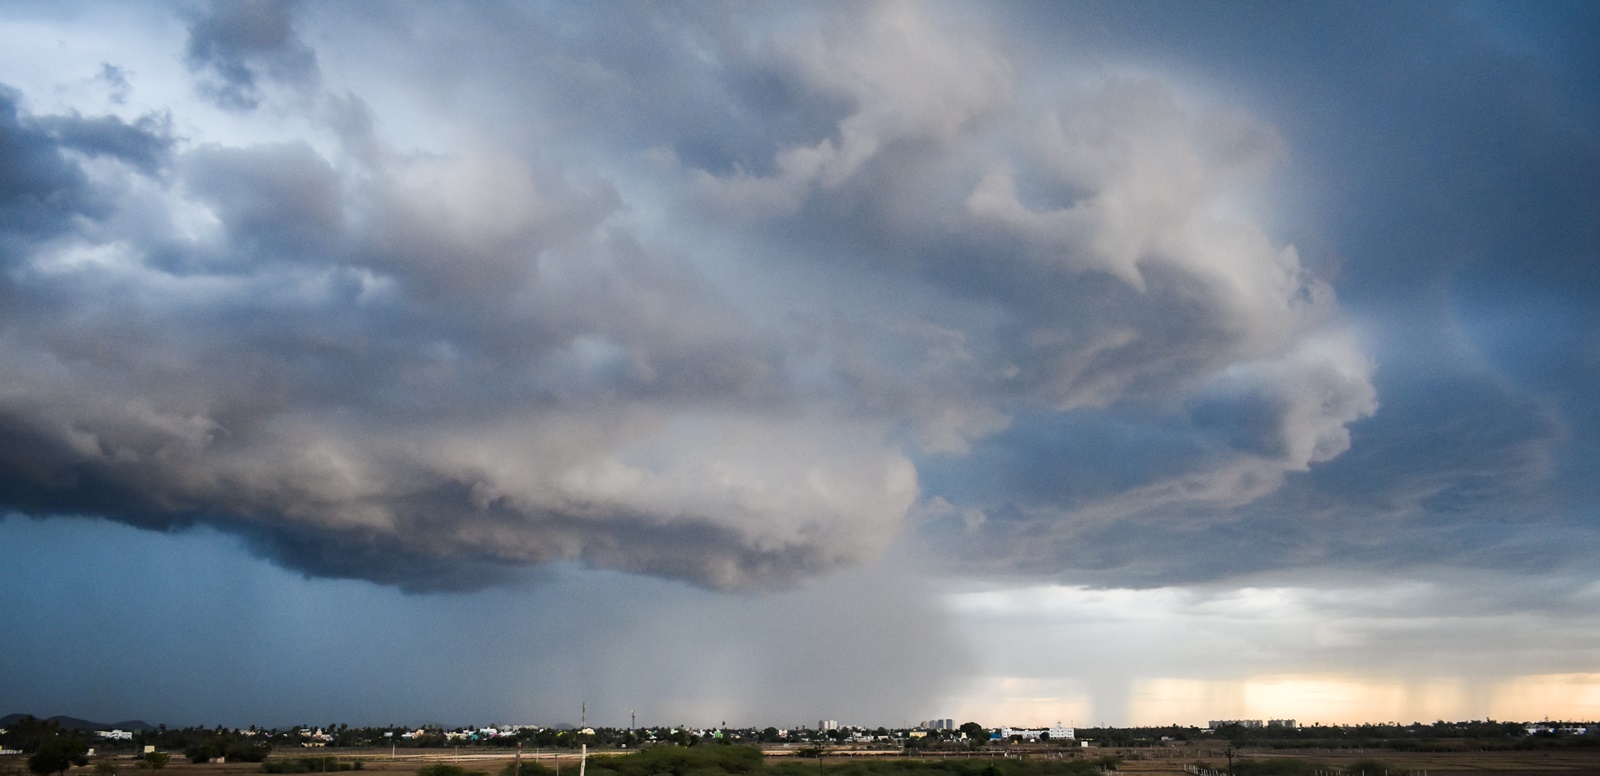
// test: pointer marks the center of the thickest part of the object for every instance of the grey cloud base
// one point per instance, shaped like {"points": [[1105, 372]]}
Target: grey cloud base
{"points": [[427, 367]]}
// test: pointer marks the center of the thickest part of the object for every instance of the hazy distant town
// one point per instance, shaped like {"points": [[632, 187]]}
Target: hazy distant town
{"points": [[24, 734]]}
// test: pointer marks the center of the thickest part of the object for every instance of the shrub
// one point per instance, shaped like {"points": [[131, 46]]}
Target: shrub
{"points": [[58, 754]]}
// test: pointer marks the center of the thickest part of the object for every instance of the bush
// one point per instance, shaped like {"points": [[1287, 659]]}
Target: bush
{"points": [[58, 754], [157, 760]]}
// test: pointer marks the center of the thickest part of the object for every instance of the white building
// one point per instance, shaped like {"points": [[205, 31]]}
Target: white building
{"points": [[1057, 733]]}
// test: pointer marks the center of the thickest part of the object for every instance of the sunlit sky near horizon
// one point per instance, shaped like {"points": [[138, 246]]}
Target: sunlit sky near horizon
{"points": [[1099, 363]]}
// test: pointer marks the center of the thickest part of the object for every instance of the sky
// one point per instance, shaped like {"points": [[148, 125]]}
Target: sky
{"points": [[1098, 363]]}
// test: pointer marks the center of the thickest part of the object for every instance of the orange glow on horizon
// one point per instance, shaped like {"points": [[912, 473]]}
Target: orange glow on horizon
{"points": [[1306, 698]]}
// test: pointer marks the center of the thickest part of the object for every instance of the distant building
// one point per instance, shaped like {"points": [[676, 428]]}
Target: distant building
{"points": [[827, 724], [1248, 724], [115, 735], [937, 724], [1574, 730], [1057, 733]]}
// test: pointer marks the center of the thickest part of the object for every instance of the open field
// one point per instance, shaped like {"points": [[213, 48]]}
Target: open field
{"points": [[1169, 760]]}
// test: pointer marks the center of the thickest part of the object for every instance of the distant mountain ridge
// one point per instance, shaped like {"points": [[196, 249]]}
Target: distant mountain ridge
{"points": [[73, 723]]}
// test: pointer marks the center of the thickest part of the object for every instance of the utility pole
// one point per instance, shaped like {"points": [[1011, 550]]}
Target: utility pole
{"points": [[1229, 754]]}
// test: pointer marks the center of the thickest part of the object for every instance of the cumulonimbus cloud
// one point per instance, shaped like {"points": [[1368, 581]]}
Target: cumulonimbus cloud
{"points": [[424, 367]]}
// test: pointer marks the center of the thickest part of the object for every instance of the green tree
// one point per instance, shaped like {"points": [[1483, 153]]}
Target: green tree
{"points": [[28, 734], [57, 755], [975, 732], [200, 752]]}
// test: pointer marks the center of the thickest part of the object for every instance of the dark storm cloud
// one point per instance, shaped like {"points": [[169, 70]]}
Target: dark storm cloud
{"points": [[418, 371], [1456, 469], [40, 189], [44, 190], [880, 238], [277, 203], [1287, 311], [235, 46], [1460, 184], [1120, 290], [145, 144], [723, 294]]}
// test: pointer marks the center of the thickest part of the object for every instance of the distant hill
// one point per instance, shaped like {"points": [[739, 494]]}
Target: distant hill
{"points": [[73, 723]]}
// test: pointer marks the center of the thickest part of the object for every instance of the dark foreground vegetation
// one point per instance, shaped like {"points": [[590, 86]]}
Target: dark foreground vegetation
{"points": [[748, 761]]}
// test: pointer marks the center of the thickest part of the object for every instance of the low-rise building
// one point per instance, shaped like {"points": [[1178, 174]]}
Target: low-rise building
{"points": [[1056, 733]]}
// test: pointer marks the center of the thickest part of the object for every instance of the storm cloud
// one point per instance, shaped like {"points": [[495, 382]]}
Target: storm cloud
{"points": [[238, 50], [1023, 340], [426, 364]]}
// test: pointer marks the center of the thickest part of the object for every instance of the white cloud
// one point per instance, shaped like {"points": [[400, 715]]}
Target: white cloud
{"points": [[525, 345], [908, 80]]}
